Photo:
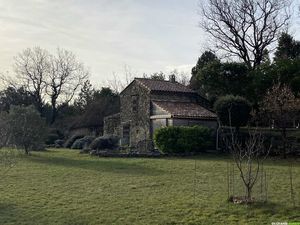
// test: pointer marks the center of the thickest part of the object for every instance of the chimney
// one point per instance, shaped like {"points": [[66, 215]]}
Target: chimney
{"points": [[172, 78]]}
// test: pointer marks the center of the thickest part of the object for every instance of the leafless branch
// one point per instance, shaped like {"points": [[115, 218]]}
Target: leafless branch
{"points": [[117, 83], [65, 77], [248, 154], [32, 67], [245, 28]]}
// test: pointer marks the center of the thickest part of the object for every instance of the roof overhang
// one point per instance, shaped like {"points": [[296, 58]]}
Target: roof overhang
{"points": [[181, 117], [160, 117]]}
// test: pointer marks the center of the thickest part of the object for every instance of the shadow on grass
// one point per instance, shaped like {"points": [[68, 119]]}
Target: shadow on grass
{"points": [[271, 208], [226, 157], [8, 212], [268, 209], [200, 156], [75, 219], [104, 165], [265, 205]]}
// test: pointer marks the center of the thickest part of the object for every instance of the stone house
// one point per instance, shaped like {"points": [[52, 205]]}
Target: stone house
{"points": [[148, 104]]}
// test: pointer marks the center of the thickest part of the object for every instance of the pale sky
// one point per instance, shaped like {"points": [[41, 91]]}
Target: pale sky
{"points": [[106, 35]]}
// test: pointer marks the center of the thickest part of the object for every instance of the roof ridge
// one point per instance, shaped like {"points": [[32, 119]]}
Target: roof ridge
{"points": [[141, 83], [164, 85], [174, 101], [145, 78]]}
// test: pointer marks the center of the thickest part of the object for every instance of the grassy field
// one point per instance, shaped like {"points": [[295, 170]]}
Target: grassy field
{"points": [[64, 187]]}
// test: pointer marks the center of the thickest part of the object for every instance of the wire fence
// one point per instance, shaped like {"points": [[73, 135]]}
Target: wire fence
{"points": [[280, 185]]}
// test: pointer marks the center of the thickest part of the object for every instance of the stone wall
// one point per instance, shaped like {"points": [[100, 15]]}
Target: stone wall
{"points": [[135, 112]]}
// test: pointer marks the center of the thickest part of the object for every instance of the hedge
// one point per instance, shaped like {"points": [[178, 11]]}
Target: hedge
{"points": [[181, 140]]}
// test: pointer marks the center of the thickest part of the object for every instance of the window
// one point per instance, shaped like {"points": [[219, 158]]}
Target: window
{"points": [[126, 134], [134, 103]]}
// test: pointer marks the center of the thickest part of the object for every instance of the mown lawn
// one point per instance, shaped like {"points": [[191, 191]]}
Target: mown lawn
{"points": [[64, 187]]}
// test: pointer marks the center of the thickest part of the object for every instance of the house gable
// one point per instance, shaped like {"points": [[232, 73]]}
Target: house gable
{"points": [[156, 110], [132, 84]]}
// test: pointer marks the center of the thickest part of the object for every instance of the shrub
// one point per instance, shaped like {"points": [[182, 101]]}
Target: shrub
{"points": [[105, 142], [82, 142], [58, 143], [51, 138], [27, 129], [53, 135], [72, 139], [239, 108], [180, 140]]}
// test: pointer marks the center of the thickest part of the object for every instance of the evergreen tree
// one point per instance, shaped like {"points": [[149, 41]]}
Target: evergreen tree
{"points": [[205, 59], [287, 48]]}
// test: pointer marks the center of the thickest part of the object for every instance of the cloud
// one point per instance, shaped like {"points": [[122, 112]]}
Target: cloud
{"points": [[148, 36]]}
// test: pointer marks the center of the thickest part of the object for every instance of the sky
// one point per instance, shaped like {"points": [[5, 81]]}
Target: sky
{"points": [[106, 35], [144, 36]]}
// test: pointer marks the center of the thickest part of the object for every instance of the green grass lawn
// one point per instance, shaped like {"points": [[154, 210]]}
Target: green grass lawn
{"points": [[64, 187]]}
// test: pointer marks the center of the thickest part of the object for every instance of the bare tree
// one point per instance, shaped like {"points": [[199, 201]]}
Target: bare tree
{"points": [[281, 106], [47, 77], [248, 153], [7, 81], [245, 28], [32, 68], [66, 76], [248, 156], [117, 84]]}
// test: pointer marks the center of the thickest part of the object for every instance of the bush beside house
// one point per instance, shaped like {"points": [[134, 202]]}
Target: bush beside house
{"points": [[182, 140]]}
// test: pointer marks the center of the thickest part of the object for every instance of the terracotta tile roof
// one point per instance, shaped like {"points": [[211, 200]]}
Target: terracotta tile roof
{"points": [[162, 85], [185, 110]]}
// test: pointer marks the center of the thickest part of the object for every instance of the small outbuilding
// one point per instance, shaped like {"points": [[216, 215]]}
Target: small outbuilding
{"points": [[149, 104]]}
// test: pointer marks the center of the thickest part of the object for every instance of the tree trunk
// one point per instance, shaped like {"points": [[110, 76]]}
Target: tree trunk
{"points": [[54, 109], [249, 193], [53, 115], [284, 143]]}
